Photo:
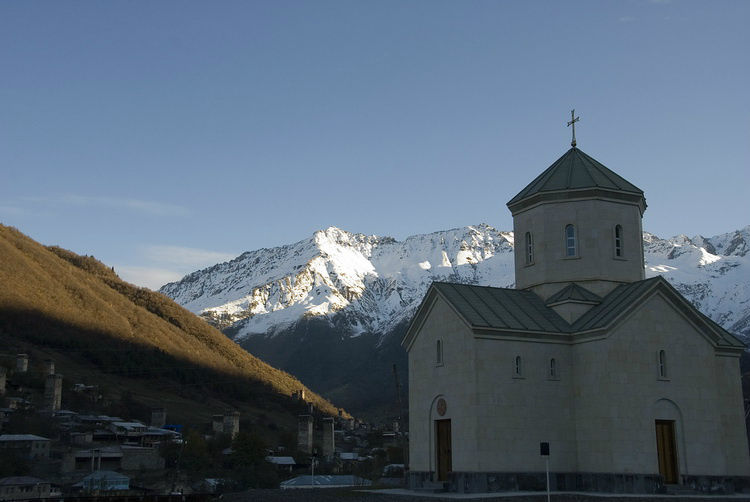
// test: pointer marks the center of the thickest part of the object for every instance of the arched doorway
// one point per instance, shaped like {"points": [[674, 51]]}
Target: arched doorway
{"points": [[440, 422], [668, 429]]}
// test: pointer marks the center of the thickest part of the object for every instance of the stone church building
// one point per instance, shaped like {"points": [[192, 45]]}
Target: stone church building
{"points": [[631, 387]]}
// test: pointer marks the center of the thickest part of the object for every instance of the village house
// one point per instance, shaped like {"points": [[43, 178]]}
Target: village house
{"points": [[26, 446], [24, 488]]}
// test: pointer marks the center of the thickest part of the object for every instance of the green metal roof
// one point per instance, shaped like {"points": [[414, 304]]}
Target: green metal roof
{"points": [[728, 338], [613, 305], [623, 296], [576, 171], [501, 308], [484, 307], [573, 293]]}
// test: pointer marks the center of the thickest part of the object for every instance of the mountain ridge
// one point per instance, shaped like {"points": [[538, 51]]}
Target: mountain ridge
{"points": [[379, 281], [332, 309]]}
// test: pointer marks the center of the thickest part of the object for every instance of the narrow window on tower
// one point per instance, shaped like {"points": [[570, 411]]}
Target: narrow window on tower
{"points": [[518, 367], [553, 369], [662, 364], [439, 353], [618, 241], [529, 248], [571, 245]]}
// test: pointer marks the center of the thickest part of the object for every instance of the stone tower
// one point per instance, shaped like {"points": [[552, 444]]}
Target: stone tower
{"points": [[22, 363], [329, 444], [158, 417], [53, 392], [305, 434], [577, 223], [232, 423], [3, 376], [217, 423]]}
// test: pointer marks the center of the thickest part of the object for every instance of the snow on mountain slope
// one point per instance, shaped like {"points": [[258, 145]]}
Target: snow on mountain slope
{"points": [[713, 273], [377, 281], [373, 283]]}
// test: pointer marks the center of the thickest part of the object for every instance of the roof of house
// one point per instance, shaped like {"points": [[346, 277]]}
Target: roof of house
{"points": [[485, 308], [108, 475], [326, 480], [21, 481], [281, 460], [576, 171], [21, 437], [130, 425]]}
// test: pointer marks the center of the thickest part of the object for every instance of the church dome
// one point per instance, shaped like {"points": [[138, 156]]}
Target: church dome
{"points": [[576, 175]]}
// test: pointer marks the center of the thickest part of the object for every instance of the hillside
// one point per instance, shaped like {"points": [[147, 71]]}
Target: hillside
{"points": [[102, 330]]}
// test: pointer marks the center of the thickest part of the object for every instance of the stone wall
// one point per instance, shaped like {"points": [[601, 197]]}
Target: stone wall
{"points": [[595, 263], [453, 380]]}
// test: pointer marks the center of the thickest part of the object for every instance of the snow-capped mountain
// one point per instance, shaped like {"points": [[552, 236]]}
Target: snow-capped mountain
{"points": [[375, 282], [370, 283], [332, 309], [713, 273]]}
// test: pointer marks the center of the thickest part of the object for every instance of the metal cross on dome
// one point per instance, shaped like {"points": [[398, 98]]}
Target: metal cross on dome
{"points": [[573, 120]]}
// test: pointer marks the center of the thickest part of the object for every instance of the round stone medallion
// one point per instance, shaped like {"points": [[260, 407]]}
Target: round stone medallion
{"points": [[441, 407]]}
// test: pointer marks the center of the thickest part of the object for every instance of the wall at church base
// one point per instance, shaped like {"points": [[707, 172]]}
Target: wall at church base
{"points": [[602, 482]]}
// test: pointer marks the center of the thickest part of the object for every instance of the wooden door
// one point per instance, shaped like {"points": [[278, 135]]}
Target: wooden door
{"points": [[443, 442], [666, 448]]}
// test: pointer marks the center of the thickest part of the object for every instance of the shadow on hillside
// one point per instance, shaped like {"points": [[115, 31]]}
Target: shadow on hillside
{"points": [[102, 352], [355, 372]]}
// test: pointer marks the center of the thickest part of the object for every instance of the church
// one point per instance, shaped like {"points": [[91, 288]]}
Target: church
{"points": [[616, 381]]}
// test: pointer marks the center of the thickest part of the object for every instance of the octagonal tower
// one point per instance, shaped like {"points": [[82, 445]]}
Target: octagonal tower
{"points": [[577, 223]]}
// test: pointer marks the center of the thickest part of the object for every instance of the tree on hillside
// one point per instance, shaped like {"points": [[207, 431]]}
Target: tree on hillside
{"points": [[249, 466], [195, 457]]}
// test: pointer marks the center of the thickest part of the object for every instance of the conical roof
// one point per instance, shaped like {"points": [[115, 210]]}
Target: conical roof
{"points": [[577, 172]]}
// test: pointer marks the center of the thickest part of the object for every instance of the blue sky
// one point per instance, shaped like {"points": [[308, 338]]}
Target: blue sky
{"points": [[162, 137]]}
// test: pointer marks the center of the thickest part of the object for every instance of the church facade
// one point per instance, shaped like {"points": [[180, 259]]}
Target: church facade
{"points": [[630, 387]]}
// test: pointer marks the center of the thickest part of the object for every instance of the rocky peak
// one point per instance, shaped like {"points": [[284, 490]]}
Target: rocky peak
{"points": [[378, 282]]}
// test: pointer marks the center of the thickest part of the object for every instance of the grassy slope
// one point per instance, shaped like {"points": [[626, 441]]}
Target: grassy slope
{"points": [[53, 298]]}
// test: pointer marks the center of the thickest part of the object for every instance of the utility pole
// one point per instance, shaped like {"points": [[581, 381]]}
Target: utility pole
{"points": [[401, 434]]}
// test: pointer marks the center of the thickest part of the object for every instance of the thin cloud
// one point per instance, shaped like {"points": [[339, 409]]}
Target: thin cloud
{"points": [[185, 257], [120, 203], [11, 210], [626, 19], [149, 277], [163, 264]]}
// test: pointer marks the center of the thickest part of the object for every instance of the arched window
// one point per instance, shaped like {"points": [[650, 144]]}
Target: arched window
{"points": [[618, 241], [518, 367], [571, 245], [662, 364], [552, 368], [529, 248], [439, 352]]}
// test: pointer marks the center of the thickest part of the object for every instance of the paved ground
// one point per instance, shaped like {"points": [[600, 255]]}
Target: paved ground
{"points": [[396, 495]]}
